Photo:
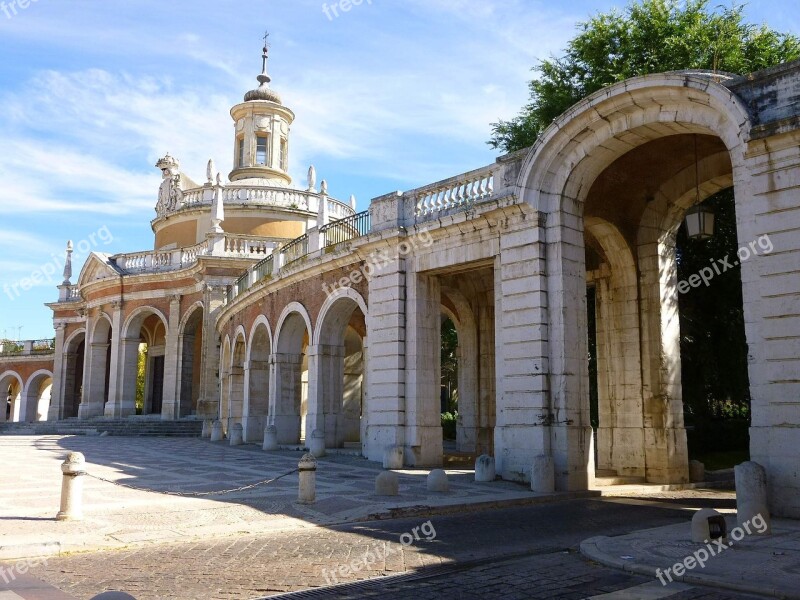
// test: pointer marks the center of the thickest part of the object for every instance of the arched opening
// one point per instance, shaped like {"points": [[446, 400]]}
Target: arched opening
{"points": [[632, 213], [97, 370], [257, 409], [336, 394], [467, 365], [235, 383], [37, 397], [74, 354], [288, 394], [142, 349], [11, 385], [191, 348]]}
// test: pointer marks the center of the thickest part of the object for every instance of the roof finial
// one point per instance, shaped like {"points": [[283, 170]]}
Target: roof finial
{"points": [[264, 77]]}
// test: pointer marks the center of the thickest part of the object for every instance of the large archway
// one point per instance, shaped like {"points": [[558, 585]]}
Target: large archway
{"points": [[142, 356], [97, 369], [235, 382], [288, 401], [256, 408], [11, 386], [337, 367], [38, 391], [73, 360], [607, 177], [191, 361]]}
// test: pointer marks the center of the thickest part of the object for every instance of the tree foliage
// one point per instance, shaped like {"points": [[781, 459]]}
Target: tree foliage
{"points": [[651, 36]]}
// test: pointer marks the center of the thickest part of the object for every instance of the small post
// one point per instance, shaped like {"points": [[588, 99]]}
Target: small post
{"points": [[237, 435], [270, 438], [316, 445], [207, 424], [72, 471], [216, 432], [308, 479]]}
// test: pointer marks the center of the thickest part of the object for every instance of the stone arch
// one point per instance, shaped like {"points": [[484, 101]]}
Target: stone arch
{"points": [[11, 385], [72, 373], [620, 438], [257, 380], [336, 369], [97, 368], [474, 425], [144, 325], [556, 179], [289, 368], [236, 379], [190, 359], [37, 394]]}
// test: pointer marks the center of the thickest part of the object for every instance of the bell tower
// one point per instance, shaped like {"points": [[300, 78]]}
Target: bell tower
{"points": [[261, 139]]}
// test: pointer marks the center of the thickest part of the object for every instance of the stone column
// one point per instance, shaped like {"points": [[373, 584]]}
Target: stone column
{"points": [[284, 397], [325, 392], [60, 364], [94, 375], [171, 407], [423, 371], [386, 370], [115, 385], [256, 378], [208, 404]]}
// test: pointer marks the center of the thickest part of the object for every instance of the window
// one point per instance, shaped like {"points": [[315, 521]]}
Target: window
{"points": [[240, 160], [262, 150], [284, 155]]}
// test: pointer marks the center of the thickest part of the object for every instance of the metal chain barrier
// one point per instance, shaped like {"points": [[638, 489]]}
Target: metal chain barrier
{"points": [[191, 494]]}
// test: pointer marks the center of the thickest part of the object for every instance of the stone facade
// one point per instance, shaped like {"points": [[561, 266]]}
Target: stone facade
{"points": [[338, 331]]}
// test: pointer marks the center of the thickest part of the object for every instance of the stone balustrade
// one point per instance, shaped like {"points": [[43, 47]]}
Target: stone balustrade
{"points": [[27, 347], [266, 196]]}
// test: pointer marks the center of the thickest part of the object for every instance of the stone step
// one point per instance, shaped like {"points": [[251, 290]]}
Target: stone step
{"points": [[114, 427]]}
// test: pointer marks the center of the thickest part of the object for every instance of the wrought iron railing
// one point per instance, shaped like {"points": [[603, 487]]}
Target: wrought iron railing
{"points": [[295, 250], [346, 229], [263, 269]]}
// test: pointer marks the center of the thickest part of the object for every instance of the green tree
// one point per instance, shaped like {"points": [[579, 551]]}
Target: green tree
{"points": [[651, 36], [141, 370]]}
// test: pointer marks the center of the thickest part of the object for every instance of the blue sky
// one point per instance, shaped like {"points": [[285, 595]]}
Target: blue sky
{"points": [[390, 95]]}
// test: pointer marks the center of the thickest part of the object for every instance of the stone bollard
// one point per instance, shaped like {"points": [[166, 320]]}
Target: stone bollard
{"points": [[216, 431], [316, 445], [697, 471], [393, 457], [543, 475], [485, 469], [437, 481], [707, 525], [751, 495], [307, 493], [72, 471], [270, 438], [207, 425], [387, 484], [237, 434]]}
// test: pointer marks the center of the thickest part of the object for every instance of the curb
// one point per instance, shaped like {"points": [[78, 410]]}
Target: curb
{"points": [[446, 509], [590, 549]]}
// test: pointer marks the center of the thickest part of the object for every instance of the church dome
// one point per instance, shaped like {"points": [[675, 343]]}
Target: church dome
{"points": [[263, 92]]}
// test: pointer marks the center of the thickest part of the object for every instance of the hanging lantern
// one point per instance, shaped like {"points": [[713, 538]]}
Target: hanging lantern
{"points": [[700, 222], [699, 218]]}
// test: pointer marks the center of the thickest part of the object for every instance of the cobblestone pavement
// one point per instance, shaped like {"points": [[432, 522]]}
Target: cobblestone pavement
{"points": [[246, 567], [562, 575]]}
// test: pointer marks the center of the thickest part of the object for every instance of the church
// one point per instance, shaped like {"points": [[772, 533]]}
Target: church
{"points": [[269, 305]]}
